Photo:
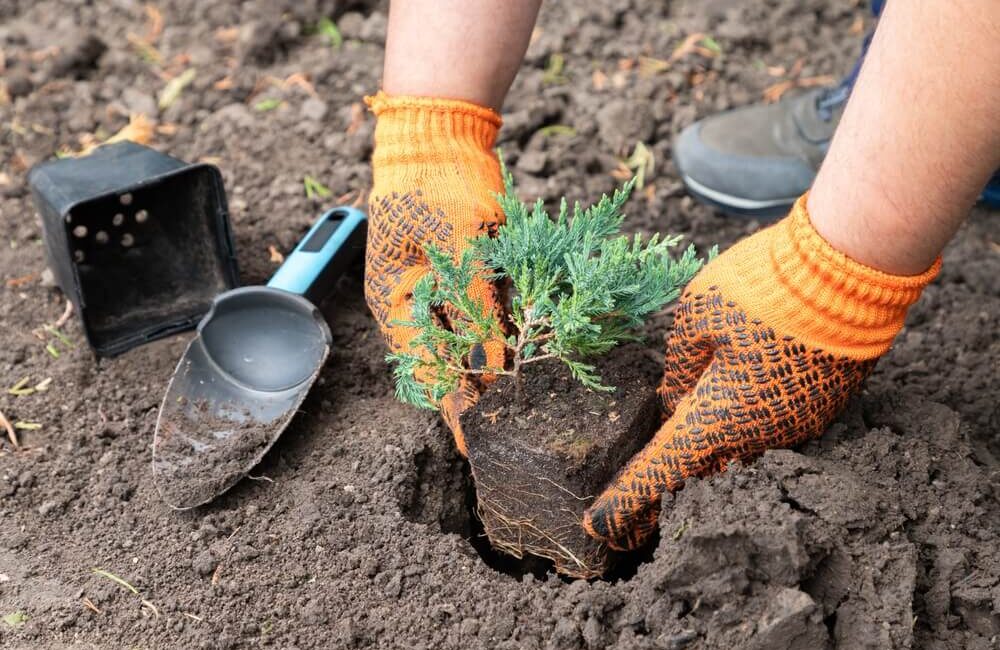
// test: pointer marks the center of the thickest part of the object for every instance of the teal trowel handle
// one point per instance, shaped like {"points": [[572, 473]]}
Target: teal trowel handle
{"points": [[330, 246]]}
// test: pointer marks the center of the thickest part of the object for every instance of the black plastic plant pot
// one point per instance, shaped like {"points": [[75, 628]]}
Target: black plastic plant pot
{"points": [[138, 240]]}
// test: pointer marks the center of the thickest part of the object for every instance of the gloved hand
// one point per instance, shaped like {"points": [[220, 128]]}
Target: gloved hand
{"points": [[770, 340], [435, 176]]}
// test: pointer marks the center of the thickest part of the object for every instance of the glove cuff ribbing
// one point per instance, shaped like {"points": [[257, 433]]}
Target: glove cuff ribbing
{"points": [[791, 279], [426, 130], [841, 305]]}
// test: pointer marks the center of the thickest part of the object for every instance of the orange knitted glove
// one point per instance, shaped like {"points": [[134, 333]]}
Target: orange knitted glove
{"points": [[770, 340], [435, 176]]}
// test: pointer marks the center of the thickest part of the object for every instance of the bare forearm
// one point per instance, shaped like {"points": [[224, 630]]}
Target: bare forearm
{"points": [[457, 49], [919, 137]]}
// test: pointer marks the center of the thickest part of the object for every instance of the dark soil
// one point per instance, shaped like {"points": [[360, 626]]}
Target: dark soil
{"points": [[540, 458], [884, 533]]}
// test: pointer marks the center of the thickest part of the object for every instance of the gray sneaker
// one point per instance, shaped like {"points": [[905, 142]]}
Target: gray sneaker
{"points": [[757, 160]]}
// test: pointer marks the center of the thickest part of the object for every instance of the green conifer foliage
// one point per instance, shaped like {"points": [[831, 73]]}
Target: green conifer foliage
{"points": [[578, 289]]}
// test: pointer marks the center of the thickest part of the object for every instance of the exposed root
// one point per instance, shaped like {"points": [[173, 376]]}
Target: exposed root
{"points": [[520, 536], [567, 491]]}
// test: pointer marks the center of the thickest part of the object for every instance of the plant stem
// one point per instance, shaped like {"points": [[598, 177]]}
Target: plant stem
{"points": [[523, 339], [549, 355], [480, 371]]}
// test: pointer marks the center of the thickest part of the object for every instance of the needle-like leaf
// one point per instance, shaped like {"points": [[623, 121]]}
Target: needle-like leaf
{"points": [[579, 288]]}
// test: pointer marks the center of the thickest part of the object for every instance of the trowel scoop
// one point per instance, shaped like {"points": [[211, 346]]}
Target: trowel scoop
{"points": [[245, 373]]}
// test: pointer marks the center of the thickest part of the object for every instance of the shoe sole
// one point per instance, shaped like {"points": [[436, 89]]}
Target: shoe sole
{"points": [[742, 207], [738, 206]]}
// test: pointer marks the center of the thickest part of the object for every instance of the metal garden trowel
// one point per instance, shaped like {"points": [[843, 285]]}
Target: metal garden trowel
{"points": [[252, 362]]}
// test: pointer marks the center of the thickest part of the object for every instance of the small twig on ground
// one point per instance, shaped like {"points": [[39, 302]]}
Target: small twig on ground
{"points": [[21, 388], [775, 92], [151, 607], [89, 604], [260, 478], [67, 312], [193, 617], [218, 569], [314, 188], [11, 434], [54, 331], [358, 114], [362, 197], [693, 43], [24, 279], [113, 577], [216, 574], [173, 89], [127, 585], [154, 24], [300, 80]]}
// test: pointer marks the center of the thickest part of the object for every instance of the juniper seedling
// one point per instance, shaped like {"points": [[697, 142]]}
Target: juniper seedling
{"points": [[578, 289]]}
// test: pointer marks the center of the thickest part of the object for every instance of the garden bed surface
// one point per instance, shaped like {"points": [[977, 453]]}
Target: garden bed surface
{"points": [[355, 530]]}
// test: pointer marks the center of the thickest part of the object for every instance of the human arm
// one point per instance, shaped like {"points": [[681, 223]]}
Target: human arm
{"points": [[773, 337], [448, 66]]}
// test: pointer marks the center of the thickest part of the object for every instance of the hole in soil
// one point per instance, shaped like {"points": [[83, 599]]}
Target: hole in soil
{"points": [[626, 565], [141, 216], [831, 623], [594, 166], [441, 493], [80, 231], [118, 219], [125, 199]]}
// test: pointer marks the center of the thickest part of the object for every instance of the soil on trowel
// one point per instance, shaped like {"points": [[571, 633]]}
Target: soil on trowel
{"points": [[198, 454], [539, 458], [358, 532]]}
